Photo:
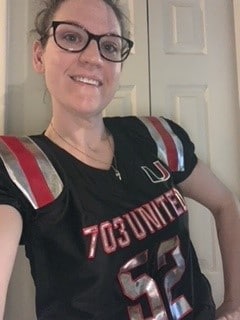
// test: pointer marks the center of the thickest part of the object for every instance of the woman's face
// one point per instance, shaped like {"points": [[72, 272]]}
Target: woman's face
{"points": [[82, 83]]}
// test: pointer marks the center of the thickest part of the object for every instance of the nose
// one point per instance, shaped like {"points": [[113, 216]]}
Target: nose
{"points": [[91, 54]]}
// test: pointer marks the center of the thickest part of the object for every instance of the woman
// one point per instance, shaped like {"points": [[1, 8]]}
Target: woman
{"points": [[98, 202]]}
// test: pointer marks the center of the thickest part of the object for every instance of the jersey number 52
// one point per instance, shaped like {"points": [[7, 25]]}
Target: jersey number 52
{"points": [[145, 286]]}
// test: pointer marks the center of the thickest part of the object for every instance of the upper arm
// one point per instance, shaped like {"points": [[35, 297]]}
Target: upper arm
{"points": [[10, 233], [204, 187]]}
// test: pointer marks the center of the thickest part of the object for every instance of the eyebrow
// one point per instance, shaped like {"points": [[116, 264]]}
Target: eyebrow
{"points": [[74, 23]]}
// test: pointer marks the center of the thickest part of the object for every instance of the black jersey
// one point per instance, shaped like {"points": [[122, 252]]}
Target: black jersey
{"points": [[103, 248]]}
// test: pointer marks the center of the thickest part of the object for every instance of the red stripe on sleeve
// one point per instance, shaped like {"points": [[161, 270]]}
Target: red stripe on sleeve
{"points": [[172, 154], [31, 170]]}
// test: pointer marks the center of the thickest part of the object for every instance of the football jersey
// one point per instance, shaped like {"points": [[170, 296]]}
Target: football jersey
{"points": [[106, 248]]}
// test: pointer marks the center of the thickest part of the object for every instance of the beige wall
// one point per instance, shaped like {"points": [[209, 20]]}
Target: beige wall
{"points": [[3, 28], [26, 111]]}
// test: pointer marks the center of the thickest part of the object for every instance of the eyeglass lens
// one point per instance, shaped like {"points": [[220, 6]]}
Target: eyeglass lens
{"points": [[74, 38]]}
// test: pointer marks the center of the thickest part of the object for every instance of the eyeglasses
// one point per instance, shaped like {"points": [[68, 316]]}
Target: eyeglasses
{"points": [[74, 38]]}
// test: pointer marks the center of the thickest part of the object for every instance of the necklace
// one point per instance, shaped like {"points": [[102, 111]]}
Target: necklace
{"points": [[113, 166]]}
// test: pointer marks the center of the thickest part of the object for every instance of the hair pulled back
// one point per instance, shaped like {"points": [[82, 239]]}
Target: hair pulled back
{"points": [[45, 16]]}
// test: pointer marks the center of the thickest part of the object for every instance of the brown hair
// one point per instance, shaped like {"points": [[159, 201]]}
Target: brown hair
{"points": [[45, 15]]}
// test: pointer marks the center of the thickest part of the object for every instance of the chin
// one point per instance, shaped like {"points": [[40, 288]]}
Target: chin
{"points": [[87, 110]]}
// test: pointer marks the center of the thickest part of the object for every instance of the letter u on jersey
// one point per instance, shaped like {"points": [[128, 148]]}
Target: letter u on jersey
{"points": [[160, 173]]}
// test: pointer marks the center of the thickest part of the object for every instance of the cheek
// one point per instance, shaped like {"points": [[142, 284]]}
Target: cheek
{"points": [[115, 76], [54, 65], [55, 69], [55, 60]]}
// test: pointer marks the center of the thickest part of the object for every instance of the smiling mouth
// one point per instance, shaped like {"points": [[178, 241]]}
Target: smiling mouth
{"points": [[85, 80]]}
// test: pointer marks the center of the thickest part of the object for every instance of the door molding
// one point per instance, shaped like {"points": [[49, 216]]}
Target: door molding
{"points": [[236, 12], [3, 61]]}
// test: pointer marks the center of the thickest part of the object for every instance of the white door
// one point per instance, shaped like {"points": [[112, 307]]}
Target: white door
{"points": [[193, 81]]}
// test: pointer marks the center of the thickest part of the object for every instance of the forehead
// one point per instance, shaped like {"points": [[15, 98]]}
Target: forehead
{"points": [[95, 15]]}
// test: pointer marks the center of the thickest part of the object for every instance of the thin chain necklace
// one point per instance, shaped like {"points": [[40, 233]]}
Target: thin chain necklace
{"points": [[113, 166]]}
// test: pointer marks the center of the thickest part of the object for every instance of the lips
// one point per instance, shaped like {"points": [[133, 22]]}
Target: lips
{"points": [[87, 80]]}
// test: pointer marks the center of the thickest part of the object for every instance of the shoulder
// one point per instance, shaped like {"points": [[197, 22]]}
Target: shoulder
{"points": [[147, 124], [168, 136], [30, 169], [170, 142]]}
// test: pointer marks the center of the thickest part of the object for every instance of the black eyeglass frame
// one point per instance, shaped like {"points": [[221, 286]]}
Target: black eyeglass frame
{"points": [[95, 37]]}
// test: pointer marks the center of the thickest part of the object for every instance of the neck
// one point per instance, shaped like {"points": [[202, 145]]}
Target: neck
{"points": [[102, 157], [87, 133]]}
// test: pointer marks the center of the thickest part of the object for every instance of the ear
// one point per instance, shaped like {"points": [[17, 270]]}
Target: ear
{"points": [[37, 57]]}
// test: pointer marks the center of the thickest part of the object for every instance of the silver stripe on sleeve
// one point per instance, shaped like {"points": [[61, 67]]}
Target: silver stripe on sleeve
{"points": [[50, 174], [16, 173], [161, 146], [162, 151], [18, 176], [178, 144]]}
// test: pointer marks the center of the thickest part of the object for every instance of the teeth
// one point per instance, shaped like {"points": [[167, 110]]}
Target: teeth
{"points": [[86, 80]]}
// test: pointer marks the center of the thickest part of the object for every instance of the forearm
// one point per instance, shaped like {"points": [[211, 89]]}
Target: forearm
{"points": [[203, 186], [228, 229]]}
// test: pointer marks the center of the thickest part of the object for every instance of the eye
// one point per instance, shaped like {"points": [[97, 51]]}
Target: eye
{"points": [[111, 45], [72, 38]]}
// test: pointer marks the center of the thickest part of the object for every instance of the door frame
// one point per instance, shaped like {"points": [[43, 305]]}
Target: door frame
{"points": [[3, 61], [236, 12]]}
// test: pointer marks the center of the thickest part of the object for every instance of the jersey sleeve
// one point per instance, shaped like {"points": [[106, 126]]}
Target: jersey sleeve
{"points": [[173, 146], [28, 180], [189, 155], [10, 195], [167, 140]]}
